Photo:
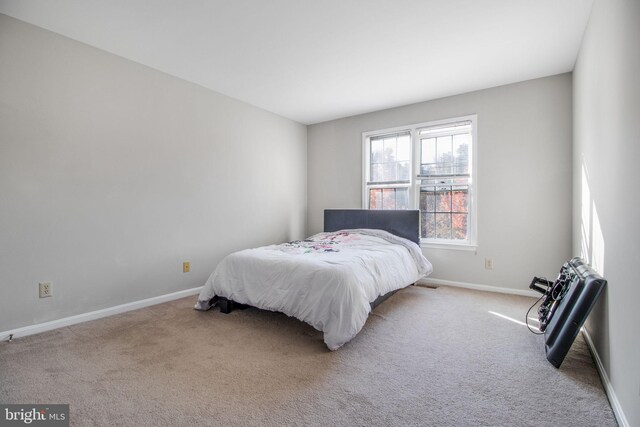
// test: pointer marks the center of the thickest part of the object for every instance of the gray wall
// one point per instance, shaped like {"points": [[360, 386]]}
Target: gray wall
{"points": [[112, 174], [606, 196], [524, 177]]}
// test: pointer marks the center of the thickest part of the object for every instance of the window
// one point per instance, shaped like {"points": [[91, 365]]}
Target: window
{"points": [[430, 167], [389, 171]]}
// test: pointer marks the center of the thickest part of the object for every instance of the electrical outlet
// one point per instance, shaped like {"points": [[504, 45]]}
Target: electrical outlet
{"points": [[186, 267], [46, 289], [488, 263]]}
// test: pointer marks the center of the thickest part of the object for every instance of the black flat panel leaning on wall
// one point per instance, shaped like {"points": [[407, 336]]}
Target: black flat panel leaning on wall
{"points": [[566, 306]]}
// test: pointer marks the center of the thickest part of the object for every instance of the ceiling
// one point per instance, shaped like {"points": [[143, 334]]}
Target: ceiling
{"points": [[317, 60]]}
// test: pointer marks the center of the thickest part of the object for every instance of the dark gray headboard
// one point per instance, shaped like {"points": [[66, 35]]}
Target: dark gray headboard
{"points": [[403, 223]]}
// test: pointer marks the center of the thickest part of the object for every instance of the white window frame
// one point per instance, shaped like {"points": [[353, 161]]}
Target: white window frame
{"points": [[414, 187]]}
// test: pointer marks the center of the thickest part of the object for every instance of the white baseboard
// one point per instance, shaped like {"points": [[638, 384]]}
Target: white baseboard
{"points": [[523, 292], [608, 387], [98, 314]]}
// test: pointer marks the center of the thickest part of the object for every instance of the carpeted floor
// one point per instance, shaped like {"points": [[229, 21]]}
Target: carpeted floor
{"points": [[436, 357]]}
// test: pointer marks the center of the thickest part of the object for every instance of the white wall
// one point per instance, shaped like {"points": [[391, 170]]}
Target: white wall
{"points": [[606, 196], [112, 174], [524, 177]]}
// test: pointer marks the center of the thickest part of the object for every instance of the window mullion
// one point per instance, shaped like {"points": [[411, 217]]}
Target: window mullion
{"points": [[415, 161]]}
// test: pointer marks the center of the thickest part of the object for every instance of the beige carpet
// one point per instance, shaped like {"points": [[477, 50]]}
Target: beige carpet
{"points": [[425, 357]]}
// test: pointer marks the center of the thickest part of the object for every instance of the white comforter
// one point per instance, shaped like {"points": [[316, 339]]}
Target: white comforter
{"points": [[327, 280]]}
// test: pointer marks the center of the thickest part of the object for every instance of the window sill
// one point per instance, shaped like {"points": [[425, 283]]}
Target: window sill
{"points": [[449, 245]]}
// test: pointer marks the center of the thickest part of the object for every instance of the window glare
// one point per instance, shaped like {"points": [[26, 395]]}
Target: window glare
{"points": [[376, 151], [461, 145], [376, 172], [444, 155], [389, 149], [404, 148], [428, 150]]}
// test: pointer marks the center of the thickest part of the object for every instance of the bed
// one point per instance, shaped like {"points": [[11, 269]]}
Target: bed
{"points": [[331, 280]]}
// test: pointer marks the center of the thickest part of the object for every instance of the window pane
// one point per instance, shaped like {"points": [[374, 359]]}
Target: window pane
{"points": [[428, 226], [404, 148], [375, 198], [402, 198], [389, 149], [443, 226], [389, 172], [377, 172], [403, 171], [460, 199], [376, 151], [459, 226], [444, 210], [445, 155], [390, 159], [447, 151], [428, 150], [388, 198], [428, 199], [461, 144], [431, 201], [443, 200], [427, 156]]}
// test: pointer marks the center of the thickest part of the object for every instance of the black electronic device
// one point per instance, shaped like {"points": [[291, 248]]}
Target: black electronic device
{"points": [[566, 304]]}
